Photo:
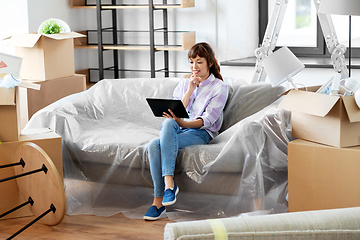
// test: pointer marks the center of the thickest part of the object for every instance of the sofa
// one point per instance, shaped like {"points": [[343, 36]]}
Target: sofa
{"points": [[331, 224], [105, 130]]}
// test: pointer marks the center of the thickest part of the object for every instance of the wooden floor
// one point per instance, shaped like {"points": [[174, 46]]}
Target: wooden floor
{"points": [[86, 227]]}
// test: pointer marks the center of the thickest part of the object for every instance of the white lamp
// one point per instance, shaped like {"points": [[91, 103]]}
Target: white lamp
{"points": [[282, 65], [341, 7]]}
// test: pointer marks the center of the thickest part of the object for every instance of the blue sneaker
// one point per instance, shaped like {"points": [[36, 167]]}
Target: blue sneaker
{"points": [[169, 197], [154, 213]]}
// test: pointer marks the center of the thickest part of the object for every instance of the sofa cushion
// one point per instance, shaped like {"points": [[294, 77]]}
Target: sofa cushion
{"points": [[247, 99]]}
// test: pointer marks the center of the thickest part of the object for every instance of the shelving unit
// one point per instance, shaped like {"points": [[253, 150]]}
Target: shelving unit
{"points": [[188, 38]]}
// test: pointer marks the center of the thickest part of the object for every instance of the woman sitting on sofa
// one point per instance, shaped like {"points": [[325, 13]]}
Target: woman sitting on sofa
{"points": [[204, 95]]}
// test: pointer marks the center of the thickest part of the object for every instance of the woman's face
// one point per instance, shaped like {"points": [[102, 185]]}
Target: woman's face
{"points": [[199, 67]]}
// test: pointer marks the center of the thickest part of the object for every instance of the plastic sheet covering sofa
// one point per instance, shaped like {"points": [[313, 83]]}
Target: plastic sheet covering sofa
{"points": [[335, 224], [106, 128]]}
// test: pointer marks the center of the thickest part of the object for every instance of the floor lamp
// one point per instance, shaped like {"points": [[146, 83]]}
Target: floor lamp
{"points": [[341, 7]]}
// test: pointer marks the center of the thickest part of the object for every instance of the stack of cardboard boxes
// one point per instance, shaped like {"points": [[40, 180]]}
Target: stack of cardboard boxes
{"points": [[47, 60], [324, 162]]}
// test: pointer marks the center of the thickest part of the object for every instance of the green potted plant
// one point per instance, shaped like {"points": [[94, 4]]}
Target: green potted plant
{"points": [[53, 26]]}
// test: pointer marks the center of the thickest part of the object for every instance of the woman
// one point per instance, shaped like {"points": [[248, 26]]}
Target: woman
{"points": [[204, 95]]}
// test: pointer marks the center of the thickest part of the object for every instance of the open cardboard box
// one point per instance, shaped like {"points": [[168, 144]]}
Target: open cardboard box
{"points": [[322, 177], [45, 56], [331, 120]]}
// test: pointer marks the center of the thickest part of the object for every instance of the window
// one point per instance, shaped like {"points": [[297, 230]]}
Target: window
{"points": [[341, 24], [301, 30], [299, 26]]}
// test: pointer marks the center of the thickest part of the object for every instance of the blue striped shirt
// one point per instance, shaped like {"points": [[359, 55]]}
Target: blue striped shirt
{"points": [[206, 102]]}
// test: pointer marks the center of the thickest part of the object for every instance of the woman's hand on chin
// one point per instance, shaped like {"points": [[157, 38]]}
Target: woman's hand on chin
{"points": [[194, 81]]}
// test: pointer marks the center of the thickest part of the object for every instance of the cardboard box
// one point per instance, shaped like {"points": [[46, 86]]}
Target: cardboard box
{"points": [[10, 196], [322, 177], [47, 56], [331, 120], [9, 112], [50, 91]]}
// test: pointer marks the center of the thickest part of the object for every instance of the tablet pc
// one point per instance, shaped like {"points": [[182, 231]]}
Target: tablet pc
{"points": [[158, 106]]}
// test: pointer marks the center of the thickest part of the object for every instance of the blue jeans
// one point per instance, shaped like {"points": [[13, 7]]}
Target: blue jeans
{"points": [[163, 151]]}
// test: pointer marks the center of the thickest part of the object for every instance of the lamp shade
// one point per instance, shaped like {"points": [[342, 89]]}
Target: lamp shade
{"points": [[341, 7], [282, 64]]}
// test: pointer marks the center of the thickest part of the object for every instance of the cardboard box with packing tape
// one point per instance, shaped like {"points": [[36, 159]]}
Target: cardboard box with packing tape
{"points": [[331, 120]]}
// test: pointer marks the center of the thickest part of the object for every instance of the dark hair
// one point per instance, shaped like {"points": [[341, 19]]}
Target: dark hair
{"points": [[204, 50]]}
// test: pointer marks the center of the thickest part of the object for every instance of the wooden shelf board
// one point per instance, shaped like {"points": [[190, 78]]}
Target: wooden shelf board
{"points": [[137, 7], [126, 47], [188, 39], [82, 7], [124, 7], [170, 48], [87, 47]]}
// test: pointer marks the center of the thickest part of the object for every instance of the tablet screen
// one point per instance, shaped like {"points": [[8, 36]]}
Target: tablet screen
{"points": [[158, 106]]}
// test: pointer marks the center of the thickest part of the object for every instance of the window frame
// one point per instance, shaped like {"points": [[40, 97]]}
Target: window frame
{"points": [[319, 51]]}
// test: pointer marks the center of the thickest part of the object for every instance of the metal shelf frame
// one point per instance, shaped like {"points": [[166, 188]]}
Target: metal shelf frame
{"points": [[102, 47]]}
